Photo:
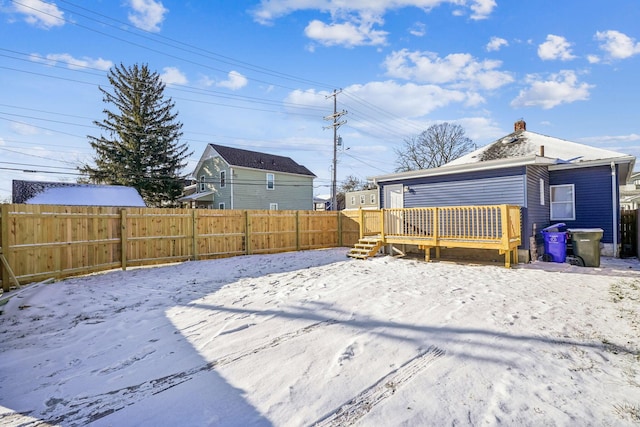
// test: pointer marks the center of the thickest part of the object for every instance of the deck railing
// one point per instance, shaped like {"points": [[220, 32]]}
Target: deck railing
{"points": [[481, 227]]}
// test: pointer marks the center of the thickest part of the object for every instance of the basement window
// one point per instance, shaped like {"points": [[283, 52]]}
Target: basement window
{"points": [[563, 202]]}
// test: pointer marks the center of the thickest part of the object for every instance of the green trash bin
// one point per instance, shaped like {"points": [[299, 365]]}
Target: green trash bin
{"points": [[586, 245]]}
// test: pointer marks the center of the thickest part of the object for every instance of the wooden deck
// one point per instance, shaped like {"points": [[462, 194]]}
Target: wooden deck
{"points": [[478, 227]]}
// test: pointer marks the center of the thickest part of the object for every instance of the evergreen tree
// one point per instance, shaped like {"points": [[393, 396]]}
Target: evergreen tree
{"points": [[139, 141]]}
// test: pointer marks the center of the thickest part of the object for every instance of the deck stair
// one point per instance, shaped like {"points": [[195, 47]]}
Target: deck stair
{"points": [[366, 247]]}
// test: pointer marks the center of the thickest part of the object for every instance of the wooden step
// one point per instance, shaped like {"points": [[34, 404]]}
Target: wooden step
{"points": [[365, 248]]}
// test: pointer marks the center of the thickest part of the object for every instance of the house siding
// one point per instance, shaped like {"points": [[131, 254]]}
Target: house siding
{"points": [[290, 192], [593, 197], [505, 186], [535, 214]]}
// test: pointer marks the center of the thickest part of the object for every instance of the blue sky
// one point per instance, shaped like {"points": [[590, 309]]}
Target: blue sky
{"points": [[257, 75]]}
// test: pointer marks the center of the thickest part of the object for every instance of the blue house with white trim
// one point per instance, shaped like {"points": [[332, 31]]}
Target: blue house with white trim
{"points": [[551, 179]]}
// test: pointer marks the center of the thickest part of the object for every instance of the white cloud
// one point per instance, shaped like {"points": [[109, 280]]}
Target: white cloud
{"points": [[560, 88], [632, 137], [418, 29], [234, 81], [270, 10], [617, 45], [24, 128], [457, 69], [39, 13], [593, 59], [407, 100], [173, 75], [496, 43], [482, 9], [556, 47], [71, 62], [147, 14], [347, 34]]}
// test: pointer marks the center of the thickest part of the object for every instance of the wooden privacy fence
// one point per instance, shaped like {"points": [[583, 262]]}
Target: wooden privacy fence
{"points": [[42, 241], [477, 227]]}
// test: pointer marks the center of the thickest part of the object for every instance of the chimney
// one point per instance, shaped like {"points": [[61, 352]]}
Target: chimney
{"points": [[519, 125]]}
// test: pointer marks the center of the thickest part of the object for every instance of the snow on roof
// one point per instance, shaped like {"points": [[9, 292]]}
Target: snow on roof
{"points": [[88, 195], [527, 143]]}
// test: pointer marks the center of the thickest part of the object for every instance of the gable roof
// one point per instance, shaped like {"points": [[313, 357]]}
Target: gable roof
{"points": [[74, 194], [262, 161], [521, 148], [523, 143]]}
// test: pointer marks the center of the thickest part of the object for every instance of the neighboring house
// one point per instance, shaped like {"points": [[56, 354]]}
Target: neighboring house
{"points": [[74, 194], [322, 202], [362, 199], [553, 180], [231, 178], [630, 193]]}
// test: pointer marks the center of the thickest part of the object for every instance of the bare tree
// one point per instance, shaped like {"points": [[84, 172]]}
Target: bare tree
{"points": [[434, 147]]}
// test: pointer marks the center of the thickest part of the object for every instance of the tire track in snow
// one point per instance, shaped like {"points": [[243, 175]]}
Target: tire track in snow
{"points": [[84, 410], [366, 400]]}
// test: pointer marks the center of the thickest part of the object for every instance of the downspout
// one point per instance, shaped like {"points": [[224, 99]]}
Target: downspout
{"points": [[614, 209], [231, 185]]}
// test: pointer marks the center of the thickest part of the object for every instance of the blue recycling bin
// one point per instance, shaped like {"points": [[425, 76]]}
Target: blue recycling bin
{"points": [[555, 242]]}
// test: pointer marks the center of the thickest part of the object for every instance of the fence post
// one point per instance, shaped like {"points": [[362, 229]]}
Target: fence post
{"points": [[123, 238], [247, 233], [361, 222], [297, 230], [4, 248], [340, 238], [382, 230], [194, 228]]}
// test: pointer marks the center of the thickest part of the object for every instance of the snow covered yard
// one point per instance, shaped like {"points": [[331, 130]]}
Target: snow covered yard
{"points": [[312, 337]]}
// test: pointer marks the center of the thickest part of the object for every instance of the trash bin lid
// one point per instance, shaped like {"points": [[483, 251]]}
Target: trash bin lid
{"points": [[585, 230], [555, 227]]}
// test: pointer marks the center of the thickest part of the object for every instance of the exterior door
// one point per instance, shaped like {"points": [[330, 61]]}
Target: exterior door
{"points": [[393, 199]]}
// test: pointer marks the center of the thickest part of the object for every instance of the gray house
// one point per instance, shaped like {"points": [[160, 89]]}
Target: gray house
{"points": [[361, 199], [232, 178], [551, 179]]}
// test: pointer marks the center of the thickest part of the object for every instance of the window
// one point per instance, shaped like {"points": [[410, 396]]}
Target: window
{"points": [[270, 181], [563, 202], [362, 199], [372, 199], [223, 178], [202, 184], [221, 205], [273, 206], [353, 200]]}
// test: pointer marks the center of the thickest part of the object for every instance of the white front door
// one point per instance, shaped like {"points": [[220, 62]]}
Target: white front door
{"points": [[393, 199], [394, 196]]}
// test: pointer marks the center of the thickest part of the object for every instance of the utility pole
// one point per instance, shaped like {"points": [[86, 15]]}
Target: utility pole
{"points": [[335, 125]]}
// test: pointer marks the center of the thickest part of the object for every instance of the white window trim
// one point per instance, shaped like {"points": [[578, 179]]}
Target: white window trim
{"points": [[221, 205], [273, 206], [363, 199], [541, 192], [273, 181], [372, 199], [552, 202], [223, 179], [353, 200]]}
